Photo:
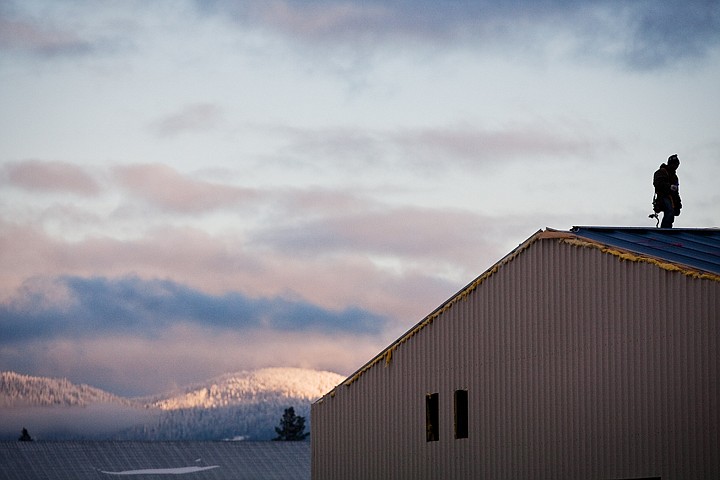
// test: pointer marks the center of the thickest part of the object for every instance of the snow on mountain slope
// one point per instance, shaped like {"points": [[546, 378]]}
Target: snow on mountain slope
{"points": [[247, 404], [251, 387], [18, 390]]}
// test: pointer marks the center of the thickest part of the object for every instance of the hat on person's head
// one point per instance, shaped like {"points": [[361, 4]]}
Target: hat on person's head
{"points": [[673, 159]]}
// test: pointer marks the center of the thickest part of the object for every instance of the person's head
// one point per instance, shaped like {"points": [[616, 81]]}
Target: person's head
{"points": [[673, 161]]}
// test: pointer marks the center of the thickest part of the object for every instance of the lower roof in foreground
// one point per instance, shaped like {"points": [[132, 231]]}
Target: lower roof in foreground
{"points": [[196, 460]]}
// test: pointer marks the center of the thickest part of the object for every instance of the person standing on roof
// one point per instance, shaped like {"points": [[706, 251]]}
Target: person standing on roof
{"points": [[667, 191]]}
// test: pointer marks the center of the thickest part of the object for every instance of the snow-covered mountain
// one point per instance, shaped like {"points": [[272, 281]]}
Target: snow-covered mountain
{"points": [[250, 387], [18, 390], [242, 405]]}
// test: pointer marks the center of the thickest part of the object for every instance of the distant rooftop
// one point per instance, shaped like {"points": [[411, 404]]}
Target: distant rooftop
{"points": [[196, 460], [697, 248]]}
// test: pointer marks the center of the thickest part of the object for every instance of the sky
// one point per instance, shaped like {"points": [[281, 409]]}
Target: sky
{"points": [[189, 188]]}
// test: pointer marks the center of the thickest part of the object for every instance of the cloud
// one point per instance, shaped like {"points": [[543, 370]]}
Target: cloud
{"points": [[319, 19], [135, 337], [47, 176], [45, 40], [644, 35], [166, 188], [641, 35], [130, 365], [352, 148], [408, 232], [477, 146], [217, 265], [193, 118], [89, 307], [460, 146], [94, 421], [661, 33]]}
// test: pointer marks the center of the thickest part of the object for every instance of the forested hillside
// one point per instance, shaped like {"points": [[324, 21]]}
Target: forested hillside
{"points": [[244, 405], [18, 390]]}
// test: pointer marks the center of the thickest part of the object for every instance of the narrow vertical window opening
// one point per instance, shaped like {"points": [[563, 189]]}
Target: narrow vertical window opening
{"points": [[432, 417], [461, 414]]}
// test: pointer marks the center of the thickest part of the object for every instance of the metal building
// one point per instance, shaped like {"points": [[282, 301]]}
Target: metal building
{"points": [[588, 354]]}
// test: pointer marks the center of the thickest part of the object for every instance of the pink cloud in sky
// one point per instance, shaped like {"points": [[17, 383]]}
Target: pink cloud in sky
{"points": [[319, 20], [170, 190], [49, 176], [328, 247], [502, 144], [221, 264], [21, 35], [408, 232]]}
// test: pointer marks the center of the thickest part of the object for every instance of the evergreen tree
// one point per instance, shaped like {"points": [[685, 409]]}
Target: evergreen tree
{"points": [[25, 436], [292, 427]]}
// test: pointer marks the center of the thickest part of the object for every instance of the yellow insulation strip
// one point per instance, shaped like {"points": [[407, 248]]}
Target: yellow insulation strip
{"points": [[388, 356], [633, 257]]}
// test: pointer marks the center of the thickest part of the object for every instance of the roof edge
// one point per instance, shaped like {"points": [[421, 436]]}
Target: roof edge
{"points": [[669, 230], [566, 237], [628, 255], [386, 353]]}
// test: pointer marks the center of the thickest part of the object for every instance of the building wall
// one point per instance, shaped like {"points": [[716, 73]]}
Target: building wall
{"points": [[578, 364]]}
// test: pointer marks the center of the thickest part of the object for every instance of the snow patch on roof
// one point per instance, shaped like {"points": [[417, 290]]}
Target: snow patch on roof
{"points": [[162, 471]]}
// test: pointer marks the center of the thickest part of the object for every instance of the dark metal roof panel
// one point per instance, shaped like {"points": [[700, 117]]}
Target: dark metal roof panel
{"points": [[78, 460], [698, 248]]}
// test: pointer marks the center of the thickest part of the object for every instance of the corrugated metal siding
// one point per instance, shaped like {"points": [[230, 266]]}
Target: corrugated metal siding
{"points": [[577, 364]]}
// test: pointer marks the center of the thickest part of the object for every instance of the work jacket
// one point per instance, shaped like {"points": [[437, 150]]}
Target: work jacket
{"points": [[663, 179]]}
